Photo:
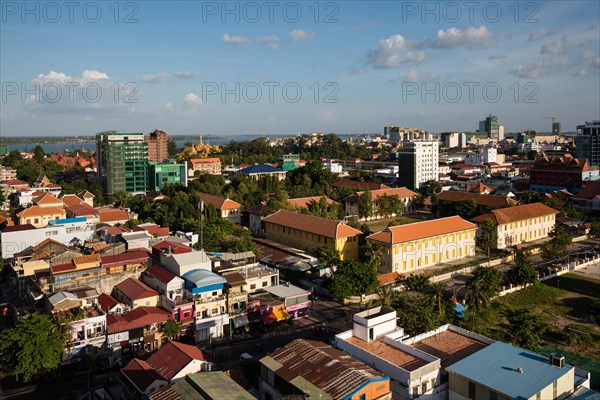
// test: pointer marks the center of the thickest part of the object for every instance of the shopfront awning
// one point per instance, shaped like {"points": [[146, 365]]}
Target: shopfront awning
{"points": [[254, 318], [240, 320], [269, 318], [281, 314]]}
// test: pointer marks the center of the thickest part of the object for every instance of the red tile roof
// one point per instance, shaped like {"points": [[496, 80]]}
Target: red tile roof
{"points": [[141, 374], [176, 248], [71, 200], [137, 318], [173, 357], [590, 190], [106, 302], [304, 202], [82, 210], [111, 214], [129, 257], [487, 200], [308, 223], [154, 230], [48, 199], [160, 273], [219, 202], [135, 289], [14, 182], [517, 213], [38, 211], [360, 185], [421, 230], [385, 279]]}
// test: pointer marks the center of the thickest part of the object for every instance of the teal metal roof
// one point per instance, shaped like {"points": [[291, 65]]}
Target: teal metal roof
{"points": [[497, 367], [202, 277]]}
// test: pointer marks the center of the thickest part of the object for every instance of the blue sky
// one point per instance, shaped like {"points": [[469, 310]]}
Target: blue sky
{"points": [[234, 68]]}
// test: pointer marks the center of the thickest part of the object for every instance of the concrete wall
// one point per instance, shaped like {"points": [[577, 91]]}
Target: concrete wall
{"points": [[102, 283]]}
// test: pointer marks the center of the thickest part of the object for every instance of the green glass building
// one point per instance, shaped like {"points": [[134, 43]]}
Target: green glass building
{"points": [[166, 173], [122, 160]]}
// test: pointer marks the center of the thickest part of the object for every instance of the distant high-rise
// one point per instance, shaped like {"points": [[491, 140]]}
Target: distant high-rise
{"points": [[556, 128], [157, 146], [122, 160], [587, 142], [492, 126], [418, 162]]}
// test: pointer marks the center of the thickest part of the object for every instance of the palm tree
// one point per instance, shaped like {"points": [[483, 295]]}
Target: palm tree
{"points": [[373, 253], [438, 297], [476, 298], [386, 294]]}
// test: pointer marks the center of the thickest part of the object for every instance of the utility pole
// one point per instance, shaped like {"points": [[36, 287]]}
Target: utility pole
{"points": [[201, 208]]}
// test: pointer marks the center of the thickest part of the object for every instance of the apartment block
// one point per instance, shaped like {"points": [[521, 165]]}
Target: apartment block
{"points": [[198, 166], [418, 163], [407, 197], [157, 142]]}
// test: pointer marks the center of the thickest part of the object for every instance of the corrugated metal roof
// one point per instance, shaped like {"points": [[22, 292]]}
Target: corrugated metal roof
{"points": [[497, 367]]}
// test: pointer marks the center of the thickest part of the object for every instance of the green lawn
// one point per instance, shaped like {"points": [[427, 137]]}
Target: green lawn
{"points": [[381, 224], [564, 308]]}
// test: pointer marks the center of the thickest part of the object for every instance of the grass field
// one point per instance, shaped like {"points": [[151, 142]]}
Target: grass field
{"points": [[566, 305]]}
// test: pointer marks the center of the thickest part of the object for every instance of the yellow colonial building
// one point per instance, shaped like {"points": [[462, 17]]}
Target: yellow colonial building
{"points": [[306, 232], [422, 244], [521, 224]]}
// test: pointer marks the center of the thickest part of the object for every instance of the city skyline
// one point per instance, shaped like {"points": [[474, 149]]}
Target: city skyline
{"points": [[227, 69]]}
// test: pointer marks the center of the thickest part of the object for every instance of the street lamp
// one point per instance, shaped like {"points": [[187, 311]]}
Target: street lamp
{"points": [[201, 208]]}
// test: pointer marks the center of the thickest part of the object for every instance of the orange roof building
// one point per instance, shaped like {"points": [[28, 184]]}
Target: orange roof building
{"points": [[306, 232], [135, 293], [226, 208], [422, 244], [304, 202], [405, 195], [39, 216], [521, 224]]}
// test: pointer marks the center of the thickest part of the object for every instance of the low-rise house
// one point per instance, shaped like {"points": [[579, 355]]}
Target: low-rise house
{"points": [[173, 362], [173, 296], [134, 293], [237, 300], [255, 217], [588, 200], [87, 321], [316, 370], [256, 275], [184, 262], [226, 208], [407, 198], [260, 170], [110, 305], [521, 224], [39, 216], [156, 231], [210, 301], [422, 244], [137, 240], [485, 202], [309, 233], [295, 299], [502, 371], [139, 329], [83, 210], [112, 215]]}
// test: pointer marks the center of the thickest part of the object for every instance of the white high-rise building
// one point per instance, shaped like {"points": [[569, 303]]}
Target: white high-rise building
{"points": [[418, 162], [501, 132]]}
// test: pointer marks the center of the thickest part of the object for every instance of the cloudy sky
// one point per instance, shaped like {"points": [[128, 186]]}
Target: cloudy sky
{"points": [[233, 68]]}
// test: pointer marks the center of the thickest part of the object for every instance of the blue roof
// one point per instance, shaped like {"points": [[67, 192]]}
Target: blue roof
{"points": [[259, 169], [497, 367], [201, 277]]}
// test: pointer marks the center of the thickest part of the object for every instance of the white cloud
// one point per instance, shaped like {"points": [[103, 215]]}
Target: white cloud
{"points": [[541, 68], [394, 52], [327, 116], [415, 75], [300, 35], [540, 34], [472, 37], [236, 40], [186, 74], [595, 63], [581, 72], [558, 46], [156, 78], [53, 76], [270, 40], [170, 106], [192, 99], [93, 75]]}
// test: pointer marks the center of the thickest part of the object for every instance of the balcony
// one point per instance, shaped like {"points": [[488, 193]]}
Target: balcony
{"points": [[212, 299]]}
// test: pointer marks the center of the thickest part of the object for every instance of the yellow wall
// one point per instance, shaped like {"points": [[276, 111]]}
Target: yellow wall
{"points": [[422, 253], [347, 247], [527, 230]]}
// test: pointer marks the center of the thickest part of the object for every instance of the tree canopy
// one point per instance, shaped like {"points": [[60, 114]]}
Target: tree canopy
{"points": [[522, 272], [34, 346], [353, 278]]}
